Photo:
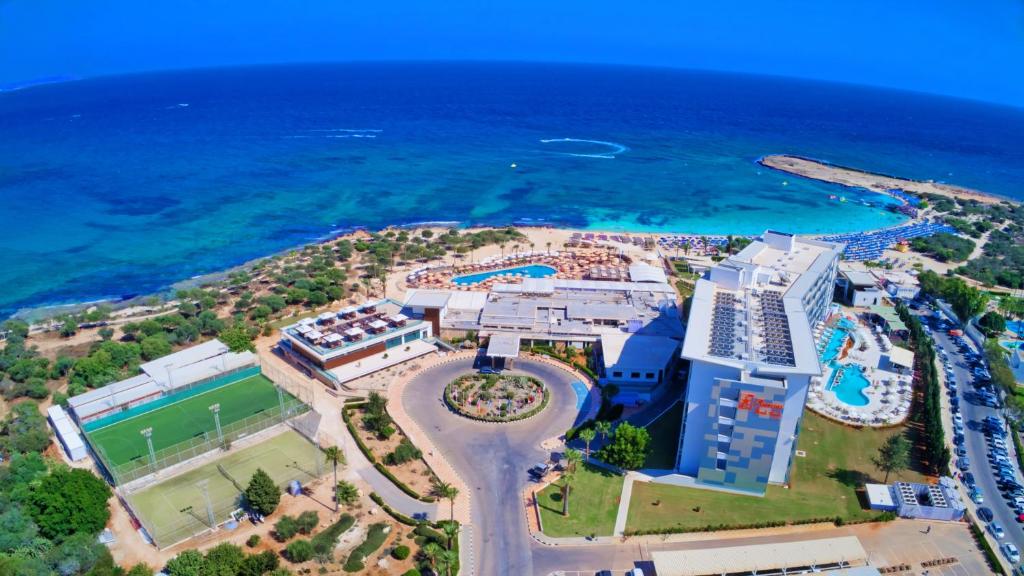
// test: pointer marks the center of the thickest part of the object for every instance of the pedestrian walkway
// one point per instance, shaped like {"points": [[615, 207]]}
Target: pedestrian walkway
{"points": [[623, 513]]}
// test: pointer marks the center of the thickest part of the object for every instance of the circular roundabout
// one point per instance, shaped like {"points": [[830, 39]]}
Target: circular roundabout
{"points": [[496, 397]]}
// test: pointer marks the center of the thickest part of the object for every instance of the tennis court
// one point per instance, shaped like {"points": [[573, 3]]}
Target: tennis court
{"points": [[175, 509], [186, 420]]}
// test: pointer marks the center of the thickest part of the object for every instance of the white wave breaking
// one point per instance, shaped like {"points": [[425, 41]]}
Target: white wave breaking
{"points": [[615, 147]]}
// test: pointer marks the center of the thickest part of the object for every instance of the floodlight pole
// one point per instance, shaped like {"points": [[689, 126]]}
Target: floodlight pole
{"points": [[216, 420], [280, 401], [148, 433], [206, 497]]}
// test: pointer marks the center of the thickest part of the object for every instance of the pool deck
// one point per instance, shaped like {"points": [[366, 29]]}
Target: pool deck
{"points": [[889, 393]]}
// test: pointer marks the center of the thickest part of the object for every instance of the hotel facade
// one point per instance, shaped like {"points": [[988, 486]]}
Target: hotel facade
{"points": [[751, 349]]}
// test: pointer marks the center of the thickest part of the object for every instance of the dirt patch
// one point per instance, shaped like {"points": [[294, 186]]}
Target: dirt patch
{"points": [[415, 473]]}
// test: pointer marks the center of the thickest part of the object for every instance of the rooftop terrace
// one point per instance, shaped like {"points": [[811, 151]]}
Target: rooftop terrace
{"points": [[349, 327]]}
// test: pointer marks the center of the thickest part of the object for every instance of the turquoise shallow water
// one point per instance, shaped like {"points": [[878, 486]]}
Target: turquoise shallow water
{"points": [[120, 186]]}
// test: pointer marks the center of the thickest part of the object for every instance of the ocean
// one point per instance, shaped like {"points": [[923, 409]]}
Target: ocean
{"points": [[124, 185]]}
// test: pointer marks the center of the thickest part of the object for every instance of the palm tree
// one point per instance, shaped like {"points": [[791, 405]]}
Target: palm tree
{"points": [[335, 456], [549, 247], [568, 477], [447, 559], [604, 428], [346, 492], [432, 550], [588, 435], [445, 491], [451, 531]]}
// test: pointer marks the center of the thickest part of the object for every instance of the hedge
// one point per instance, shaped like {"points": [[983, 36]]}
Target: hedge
{"points": [[402, 485], [375, 537], [837, 520], [327, 539], [392, 512], [373, 459], [543, 404], [990, 555]]}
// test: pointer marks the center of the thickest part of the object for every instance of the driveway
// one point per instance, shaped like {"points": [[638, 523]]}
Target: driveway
{"points": [[493, 458]]}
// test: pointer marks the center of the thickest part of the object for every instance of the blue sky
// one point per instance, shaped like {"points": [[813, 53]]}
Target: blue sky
{"points": [[968, 49]]}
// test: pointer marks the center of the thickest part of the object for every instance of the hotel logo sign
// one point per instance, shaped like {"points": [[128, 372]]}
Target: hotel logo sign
{"points": [[761, 407]]}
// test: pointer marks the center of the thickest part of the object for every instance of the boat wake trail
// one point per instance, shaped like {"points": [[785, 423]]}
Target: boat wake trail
{"points": [[614, 148]]}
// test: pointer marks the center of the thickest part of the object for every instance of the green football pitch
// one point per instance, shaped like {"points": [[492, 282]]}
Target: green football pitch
{"points": [[182, 421]]}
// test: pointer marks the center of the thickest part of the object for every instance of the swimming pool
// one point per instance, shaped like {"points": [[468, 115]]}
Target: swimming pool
{"points": [[849, 385], [1012, 344], [531, 271], [836, 341], [1016, 326]]}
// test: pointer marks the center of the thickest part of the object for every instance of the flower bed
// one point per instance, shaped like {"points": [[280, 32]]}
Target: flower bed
{"points": [[494, 398]]}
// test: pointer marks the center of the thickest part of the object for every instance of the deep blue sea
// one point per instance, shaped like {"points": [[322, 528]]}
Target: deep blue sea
{"points": [[123, 185]]}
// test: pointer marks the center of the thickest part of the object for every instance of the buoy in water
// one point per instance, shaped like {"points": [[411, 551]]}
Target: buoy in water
{"points": [[513, 165]]}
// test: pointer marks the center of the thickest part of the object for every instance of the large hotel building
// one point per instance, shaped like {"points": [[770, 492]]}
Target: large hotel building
{"points": [[749, 341]]}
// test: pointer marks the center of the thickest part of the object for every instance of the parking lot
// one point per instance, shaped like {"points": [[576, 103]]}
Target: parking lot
{"points": [[982, 452]]}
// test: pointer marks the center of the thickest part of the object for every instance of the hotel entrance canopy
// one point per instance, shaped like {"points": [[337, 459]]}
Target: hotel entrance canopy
{"points": [[503, 346]]}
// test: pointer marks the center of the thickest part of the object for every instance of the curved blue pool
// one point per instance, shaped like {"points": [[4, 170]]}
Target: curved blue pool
{"points": [[849, 386], [531, 271]]}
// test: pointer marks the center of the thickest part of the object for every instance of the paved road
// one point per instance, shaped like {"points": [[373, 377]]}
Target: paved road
{"points": [[976, 443], [493, 459]]}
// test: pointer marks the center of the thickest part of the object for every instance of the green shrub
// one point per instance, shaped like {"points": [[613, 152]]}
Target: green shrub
{"points": [[412, 572], [325, 541], [400, 552], [285, 528], [253, 541], [404, 452], [307, 521], [299, 551], [375, 537]]}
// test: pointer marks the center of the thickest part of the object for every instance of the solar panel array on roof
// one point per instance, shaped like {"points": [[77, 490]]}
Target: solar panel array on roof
{"points": [[723, 326], [778, 344]]}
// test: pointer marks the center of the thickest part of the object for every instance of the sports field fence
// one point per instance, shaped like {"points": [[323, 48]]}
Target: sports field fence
{"points": [[192, 515], [142, 466]]}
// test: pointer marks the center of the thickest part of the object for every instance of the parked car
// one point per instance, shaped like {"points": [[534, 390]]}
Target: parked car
{"points": [[996, 530], [977, 497], [1011, 552], [963, 463], [540, 470], [985, 514], [969, 480]]}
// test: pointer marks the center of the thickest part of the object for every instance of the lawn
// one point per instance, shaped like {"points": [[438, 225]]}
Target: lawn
{"points": [[664, 433], [175, 508], [825, 484], [593, 503], [175, 423]]}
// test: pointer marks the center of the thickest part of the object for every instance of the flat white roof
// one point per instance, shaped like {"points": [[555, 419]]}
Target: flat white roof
{"points": [[503, 345], [859, 277], [186, 366], [65, 429], [427, 298], [626, 350], [158, 368], [880, 494], [382, 360], [762, 557], [901, 357], [646, 273]]}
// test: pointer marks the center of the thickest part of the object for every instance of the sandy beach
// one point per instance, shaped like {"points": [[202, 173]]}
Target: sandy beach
{"points": [[877, 182]]}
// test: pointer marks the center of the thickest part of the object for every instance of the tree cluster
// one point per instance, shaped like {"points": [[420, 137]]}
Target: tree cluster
{"points": [[936, 453]]}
